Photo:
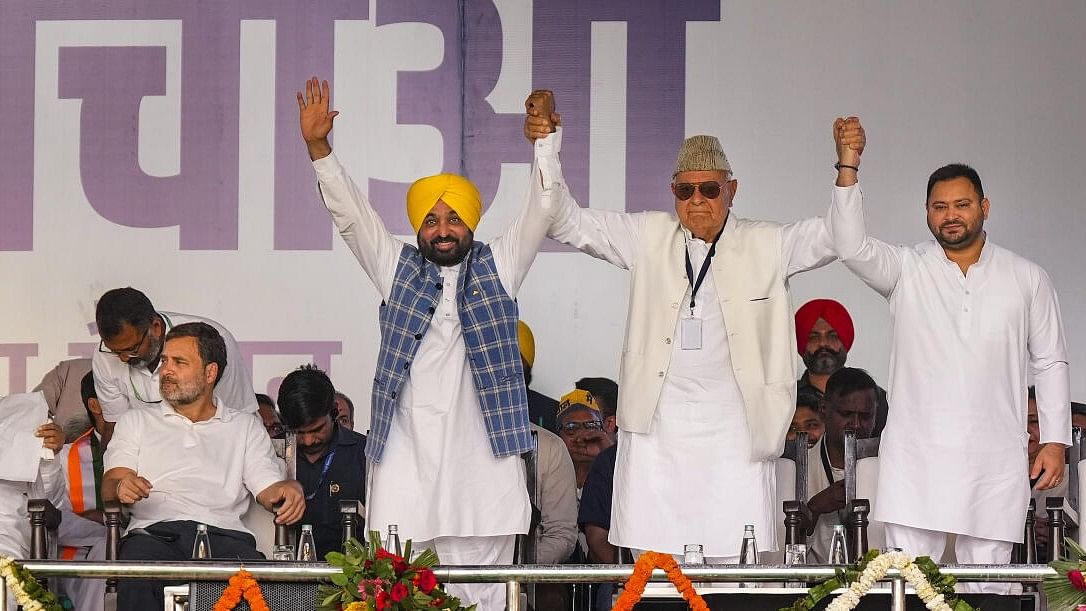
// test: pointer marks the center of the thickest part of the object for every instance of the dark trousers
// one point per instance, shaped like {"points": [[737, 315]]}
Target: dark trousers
{"points": [[173, 540]]}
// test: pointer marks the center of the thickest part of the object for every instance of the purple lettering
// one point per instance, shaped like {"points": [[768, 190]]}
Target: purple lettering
{"points": [[17, 354]]}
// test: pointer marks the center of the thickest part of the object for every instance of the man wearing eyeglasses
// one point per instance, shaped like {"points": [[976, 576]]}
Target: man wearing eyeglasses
{"points": [[580, 425], [127, 362], [706, 390]]}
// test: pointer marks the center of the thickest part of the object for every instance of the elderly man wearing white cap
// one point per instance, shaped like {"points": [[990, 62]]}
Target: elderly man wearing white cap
{"points": [[707, 376]]}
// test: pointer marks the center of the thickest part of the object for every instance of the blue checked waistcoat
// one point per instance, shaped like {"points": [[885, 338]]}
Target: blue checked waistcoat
{"points": [[488, 318]]}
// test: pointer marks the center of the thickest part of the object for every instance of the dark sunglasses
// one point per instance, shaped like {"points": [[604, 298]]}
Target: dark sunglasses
{"points": [[685, 190]]}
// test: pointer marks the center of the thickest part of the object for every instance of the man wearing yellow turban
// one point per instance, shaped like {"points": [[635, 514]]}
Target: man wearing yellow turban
{"points": [[449, 413]]}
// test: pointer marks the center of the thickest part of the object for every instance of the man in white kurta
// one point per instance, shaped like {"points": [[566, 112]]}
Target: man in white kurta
{"points": [[438, 479], [706, 385], [970, 321]]}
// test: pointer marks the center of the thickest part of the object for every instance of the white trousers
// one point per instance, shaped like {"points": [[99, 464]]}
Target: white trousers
{"points": [[968, 550], [474, 550]]}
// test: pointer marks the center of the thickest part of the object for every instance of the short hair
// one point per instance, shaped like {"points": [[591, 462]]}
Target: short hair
{"points": [[347, 400], [209, 343], [305, 395], [118, 307], [86, 388], [806, 398], [604, 389], [265, 400], [952, 171], [848, 380]]}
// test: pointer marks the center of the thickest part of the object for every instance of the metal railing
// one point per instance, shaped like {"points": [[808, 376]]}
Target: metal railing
{"points": [[513, 575]]}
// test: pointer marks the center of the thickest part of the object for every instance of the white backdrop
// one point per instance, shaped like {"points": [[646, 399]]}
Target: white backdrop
{"points": [[996, 84]]}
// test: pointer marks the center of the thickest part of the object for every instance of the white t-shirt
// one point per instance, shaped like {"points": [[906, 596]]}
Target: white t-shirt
{"points": [[199, 471]]}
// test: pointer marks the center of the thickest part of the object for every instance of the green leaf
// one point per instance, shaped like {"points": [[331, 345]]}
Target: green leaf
{"points": [[339, 579], [335, 558]]}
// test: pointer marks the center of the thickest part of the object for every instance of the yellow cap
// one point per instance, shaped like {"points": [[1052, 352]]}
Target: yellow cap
{"points": [[457, 192], [527, 342], [577, 398]]}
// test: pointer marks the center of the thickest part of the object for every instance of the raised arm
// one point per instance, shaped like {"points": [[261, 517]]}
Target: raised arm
{"points": [[358, 223], [876, 263], [516, 248], [607, 235]]}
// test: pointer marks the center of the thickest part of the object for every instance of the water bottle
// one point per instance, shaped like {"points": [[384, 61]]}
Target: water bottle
{"points": [[693, 554], [838, 554], [283, 552], [201, 547], [307, 547], [392, 542], [748, 554], [795, 554]]}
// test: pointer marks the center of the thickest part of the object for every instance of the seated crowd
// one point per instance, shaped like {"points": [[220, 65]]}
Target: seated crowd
{"points": [[166, 380]]}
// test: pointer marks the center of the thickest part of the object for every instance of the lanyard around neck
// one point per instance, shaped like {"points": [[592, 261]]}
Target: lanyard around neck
{"points": [[324, 473], [696, 284]]}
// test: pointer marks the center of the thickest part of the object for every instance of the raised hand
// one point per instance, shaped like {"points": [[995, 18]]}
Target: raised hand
{"points": [[540, 118], [315, 118], [850, 139]]}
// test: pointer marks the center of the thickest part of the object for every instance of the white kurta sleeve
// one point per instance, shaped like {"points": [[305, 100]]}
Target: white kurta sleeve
{"points": [[1048, 361], [50, 484], [515, 249], [124, 449], [806, 245], [358, 223], [608, 235], [112, 396], [877, 263]]}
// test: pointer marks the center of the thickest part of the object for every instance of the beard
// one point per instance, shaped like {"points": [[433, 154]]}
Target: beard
{"points": [[154, 350], [956, 235], [176, 392], [446, 258], [824, 361]]}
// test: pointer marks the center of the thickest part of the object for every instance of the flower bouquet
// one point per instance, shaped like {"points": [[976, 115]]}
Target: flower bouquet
{"points": [[29, 594], [374, 579], [1067, 589]]}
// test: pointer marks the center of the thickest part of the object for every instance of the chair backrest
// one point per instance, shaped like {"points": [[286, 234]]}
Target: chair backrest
{"points": [[867, 481]]}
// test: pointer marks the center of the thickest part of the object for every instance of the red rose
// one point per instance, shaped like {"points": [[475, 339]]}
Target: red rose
{"points": [[381, 600], [426, 581], [398, 592], [1076, 579], [399, 565], [383, 554]]}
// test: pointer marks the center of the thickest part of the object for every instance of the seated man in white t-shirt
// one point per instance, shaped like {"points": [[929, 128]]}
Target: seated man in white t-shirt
{"points": [[849, 404], [190, 460]]}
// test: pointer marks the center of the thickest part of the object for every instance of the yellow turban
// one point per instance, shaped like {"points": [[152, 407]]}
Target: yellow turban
{"points": [[456, 191], [527, 342]]}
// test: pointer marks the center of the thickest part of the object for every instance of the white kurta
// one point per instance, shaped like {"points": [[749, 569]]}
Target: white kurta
{"points": [[697, 454], [953, 454], [438, 476]]}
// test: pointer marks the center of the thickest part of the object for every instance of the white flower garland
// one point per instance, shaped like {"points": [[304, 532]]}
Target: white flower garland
{"points": [[876, 569], [7, 571]]}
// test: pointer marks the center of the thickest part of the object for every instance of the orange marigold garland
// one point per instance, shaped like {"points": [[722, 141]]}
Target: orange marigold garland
{"points": [[642, 572], [242, 585]]}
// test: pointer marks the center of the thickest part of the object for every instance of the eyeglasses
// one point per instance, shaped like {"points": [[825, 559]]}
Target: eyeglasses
{"points": [[685, 190], [570, 428], [127, 351]]}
